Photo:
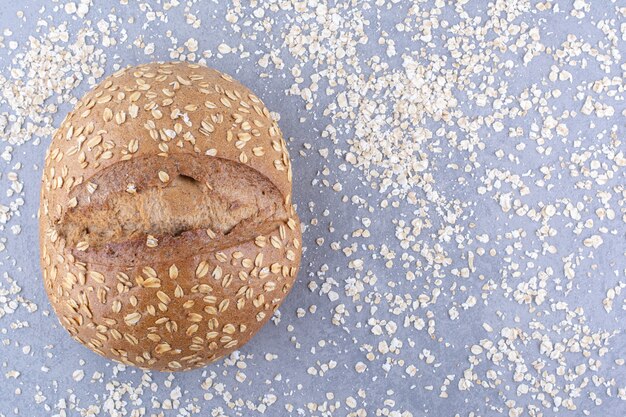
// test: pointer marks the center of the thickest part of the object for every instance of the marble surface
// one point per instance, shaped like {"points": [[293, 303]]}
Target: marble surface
{"points": [[311, 365]]}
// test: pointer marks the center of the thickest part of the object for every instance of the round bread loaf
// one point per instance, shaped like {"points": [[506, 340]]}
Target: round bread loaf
{"points": [[167, 233]]}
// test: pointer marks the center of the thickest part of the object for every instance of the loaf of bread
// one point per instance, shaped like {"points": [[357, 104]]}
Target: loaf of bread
{"points": [[167, 233]]}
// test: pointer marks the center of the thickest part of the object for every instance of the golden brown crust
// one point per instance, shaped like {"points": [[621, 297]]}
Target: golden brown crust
{"points": [[186, 302]]}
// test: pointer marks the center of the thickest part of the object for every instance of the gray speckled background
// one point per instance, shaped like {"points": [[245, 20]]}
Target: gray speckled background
{"points": [[45, 385]]}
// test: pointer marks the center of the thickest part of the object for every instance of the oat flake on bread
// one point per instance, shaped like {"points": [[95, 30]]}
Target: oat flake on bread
{"points": [[167, 233]]}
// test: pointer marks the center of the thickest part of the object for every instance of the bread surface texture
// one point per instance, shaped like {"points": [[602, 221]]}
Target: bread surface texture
{"points": [[167, 233]]}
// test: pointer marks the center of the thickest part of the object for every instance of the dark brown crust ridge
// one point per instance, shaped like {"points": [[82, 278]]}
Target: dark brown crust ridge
{"points": [[183, 203], [167, 233]]}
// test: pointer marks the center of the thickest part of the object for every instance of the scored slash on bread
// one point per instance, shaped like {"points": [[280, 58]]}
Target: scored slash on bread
{"points": [[167, 233], [199, 202]]}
